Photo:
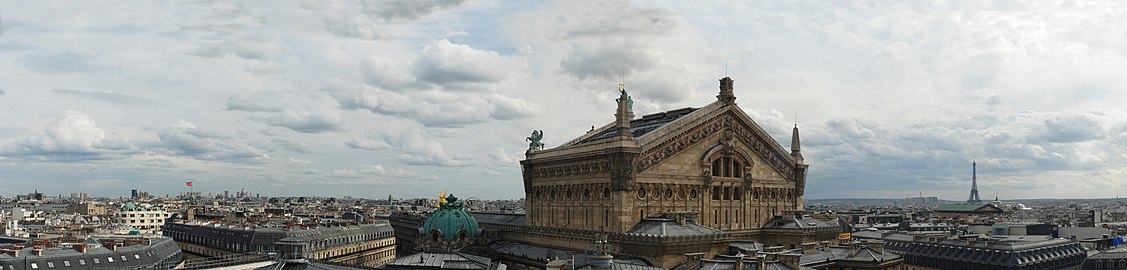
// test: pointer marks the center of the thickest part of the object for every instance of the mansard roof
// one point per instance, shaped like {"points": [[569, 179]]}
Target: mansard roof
{"points": [[638, 127]]}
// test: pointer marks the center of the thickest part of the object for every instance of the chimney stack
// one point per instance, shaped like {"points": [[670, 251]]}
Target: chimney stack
{"points": [[556, 265], [37, 251], [791, 260], [809, 248], [80, 247]]}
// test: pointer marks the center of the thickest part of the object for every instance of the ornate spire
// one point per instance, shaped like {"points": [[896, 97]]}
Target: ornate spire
{"points": [[726, 94]]}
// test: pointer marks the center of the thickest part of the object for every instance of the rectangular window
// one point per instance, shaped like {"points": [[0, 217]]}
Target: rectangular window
{"points": [[96, 261], [109, 259], [727, 193], [736, 194], [34, 266], [81, 261], [736, 169], [727, 167], [716, 193], [606, 218], [50, 264]]}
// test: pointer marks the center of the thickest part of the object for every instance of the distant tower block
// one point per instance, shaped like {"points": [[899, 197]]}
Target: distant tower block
{"points": [[974, 184]]}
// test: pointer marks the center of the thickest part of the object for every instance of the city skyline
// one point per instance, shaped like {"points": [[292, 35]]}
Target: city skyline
{"points": [[409, 98]]}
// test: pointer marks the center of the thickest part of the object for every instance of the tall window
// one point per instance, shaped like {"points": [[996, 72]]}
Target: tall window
{"points": [[727, 167]]}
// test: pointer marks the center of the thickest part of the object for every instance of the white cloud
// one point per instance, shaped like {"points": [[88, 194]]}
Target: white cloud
{"points": [[74, 137]]}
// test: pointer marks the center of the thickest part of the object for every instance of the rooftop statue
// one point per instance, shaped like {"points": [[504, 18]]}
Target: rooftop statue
{"points": [[629, 99], [535, 143]]}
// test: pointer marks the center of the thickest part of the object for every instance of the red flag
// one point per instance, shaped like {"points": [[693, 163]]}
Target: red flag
{"points": [[189, 183]]}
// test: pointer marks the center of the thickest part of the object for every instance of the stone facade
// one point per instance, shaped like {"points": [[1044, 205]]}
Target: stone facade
{"points": [[714, 161]]}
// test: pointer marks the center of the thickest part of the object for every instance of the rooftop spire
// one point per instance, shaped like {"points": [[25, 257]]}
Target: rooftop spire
{"points": [[726, 95], [795, 146]]}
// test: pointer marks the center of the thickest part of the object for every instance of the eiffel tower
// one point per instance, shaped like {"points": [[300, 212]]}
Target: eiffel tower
{"points": [[974, 184]]}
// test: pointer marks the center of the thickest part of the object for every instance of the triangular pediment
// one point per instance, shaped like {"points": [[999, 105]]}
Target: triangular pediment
{"points": [[678, 136]]}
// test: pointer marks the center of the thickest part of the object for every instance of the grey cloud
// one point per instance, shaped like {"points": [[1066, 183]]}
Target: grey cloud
{"points": [[935, 155], [275, 144], [2, 92], [606, 62], [507, 108], [104, 96], [366, 144], [296, 147], [458, 66], [306, 122], [390, 75], [1072, 129], [245, 50], [185, 139], [14, 46], [401, 10], [60, 63], [433, 111], [252, 103]]}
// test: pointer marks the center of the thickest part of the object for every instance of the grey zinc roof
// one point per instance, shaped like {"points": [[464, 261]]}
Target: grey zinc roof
{"points": [[439, 260], [749, 264], [670, 227], [582, 259], [641, 126], [803, 222], [499, 218]]}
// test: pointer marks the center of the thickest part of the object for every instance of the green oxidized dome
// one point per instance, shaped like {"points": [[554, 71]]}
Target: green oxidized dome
{"points": [[128, 207], [450, 220]]}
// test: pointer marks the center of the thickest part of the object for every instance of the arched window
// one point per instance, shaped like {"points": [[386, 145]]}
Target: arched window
{"points": [[435, 235], [716, 167], [606, 193]]}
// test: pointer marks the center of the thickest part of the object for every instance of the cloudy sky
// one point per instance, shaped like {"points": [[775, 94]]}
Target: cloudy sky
{"points": [[370, 98]]}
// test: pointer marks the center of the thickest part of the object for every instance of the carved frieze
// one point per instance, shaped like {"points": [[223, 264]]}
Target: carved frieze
{"points": [[726, 122], [574, 169]]}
